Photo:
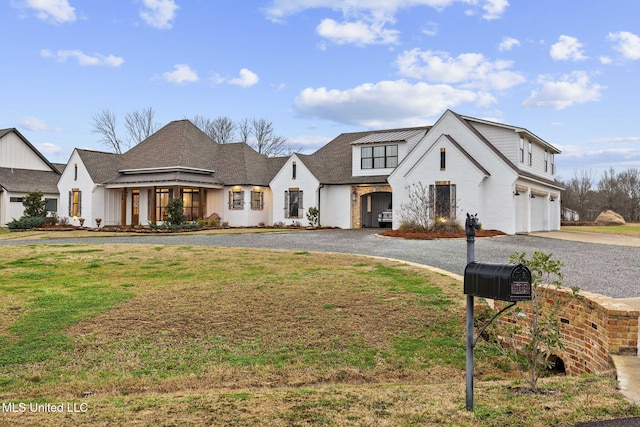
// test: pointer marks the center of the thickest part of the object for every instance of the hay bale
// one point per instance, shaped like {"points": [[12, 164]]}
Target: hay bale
{"points": [[610, 218]]}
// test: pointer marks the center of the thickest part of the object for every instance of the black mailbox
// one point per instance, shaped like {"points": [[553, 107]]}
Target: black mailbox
{"points": [[505, 282]]}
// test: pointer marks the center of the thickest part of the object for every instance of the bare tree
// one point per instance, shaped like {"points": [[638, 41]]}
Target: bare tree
{"points": [[140, 125], [224, 130], [629, 182], [205, 124], [415, 214], [609, 191], [579, 192], [266, 142], [104, 123], [244, 128]]}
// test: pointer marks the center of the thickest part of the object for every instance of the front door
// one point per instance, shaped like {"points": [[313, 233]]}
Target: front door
{"points": [[135, 207], [443, 201]]}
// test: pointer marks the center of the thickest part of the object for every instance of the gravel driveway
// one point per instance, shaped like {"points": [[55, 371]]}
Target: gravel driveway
{"points": [[604, 269]]}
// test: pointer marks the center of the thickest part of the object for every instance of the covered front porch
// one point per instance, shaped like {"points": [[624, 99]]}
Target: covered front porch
{"points": [[142, 199]]}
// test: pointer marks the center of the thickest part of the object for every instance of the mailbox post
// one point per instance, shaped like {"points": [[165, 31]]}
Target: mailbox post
{"points": [[470, 226], [505, 282]]}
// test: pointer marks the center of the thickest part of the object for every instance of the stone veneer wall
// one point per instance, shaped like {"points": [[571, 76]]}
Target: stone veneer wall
{"points": [[356, 205], [592, 327]]}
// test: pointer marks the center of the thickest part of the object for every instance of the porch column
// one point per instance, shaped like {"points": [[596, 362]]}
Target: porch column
{"points": [[123, 207]]}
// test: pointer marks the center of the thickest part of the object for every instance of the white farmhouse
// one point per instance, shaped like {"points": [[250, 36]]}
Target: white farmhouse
{"points": [[23, 169], [501, 172]]}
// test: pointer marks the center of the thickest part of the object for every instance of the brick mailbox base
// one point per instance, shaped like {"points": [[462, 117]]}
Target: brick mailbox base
{"points": [[593, 327]]}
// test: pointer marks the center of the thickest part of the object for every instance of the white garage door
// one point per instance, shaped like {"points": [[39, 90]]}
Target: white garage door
{"points": [[539, 219]]}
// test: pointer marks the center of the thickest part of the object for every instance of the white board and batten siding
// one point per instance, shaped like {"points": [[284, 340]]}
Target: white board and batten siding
{"points": [[14, 153]]}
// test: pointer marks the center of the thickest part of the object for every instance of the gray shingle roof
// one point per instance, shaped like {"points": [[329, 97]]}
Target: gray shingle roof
{"points": [[27, 180], [180, 144], [101, 166]]}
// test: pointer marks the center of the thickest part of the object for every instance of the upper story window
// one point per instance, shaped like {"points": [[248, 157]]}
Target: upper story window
{"points": [[443, 159], [553, 170], [294, 170], [521, 150], [530, 154], [546, 161], [379, 157]]}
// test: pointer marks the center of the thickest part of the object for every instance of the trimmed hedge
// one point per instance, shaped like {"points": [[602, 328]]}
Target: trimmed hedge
{"points": [[26, 223]]}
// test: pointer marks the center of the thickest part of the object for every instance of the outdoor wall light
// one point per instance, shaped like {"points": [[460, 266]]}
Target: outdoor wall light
{"points": [[532, 196], [552, 199], [517, 193]]}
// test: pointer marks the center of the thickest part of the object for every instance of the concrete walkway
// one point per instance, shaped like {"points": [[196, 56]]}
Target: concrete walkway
{"points": [[627, 367], [581, 236]]}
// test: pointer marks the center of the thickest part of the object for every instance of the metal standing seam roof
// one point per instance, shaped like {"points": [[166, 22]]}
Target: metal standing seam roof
{"points": [[388, 136]]}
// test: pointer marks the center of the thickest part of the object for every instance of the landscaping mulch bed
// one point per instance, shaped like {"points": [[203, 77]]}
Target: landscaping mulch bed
{"points": [[432, 235]]}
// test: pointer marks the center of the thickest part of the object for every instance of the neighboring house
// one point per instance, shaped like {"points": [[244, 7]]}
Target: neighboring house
{"points": [[503, 173], [24, 169]]}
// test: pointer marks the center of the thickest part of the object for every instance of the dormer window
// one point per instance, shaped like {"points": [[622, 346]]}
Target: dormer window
{"points": [[379, 157]]}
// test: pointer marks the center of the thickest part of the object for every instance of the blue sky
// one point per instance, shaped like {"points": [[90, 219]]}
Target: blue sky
{"points": [[566, 70]]}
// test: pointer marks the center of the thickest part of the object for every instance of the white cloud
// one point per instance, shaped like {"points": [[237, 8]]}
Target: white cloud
{"points": [[470, 69], [182, 73], [359, 32], [386, 103], [628, 44], [574, 88], [247, 78], [508, 43], [82, 58], [605, 60], [57, 11], [51, 150], [33, 124], [159, 13], [493, 9], [279, 9], [430, 29], [365, 21], [567, 48]]}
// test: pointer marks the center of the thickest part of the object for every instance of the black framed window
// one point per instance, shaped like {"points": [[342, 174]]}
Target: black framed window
{"points": [[379, 157], [293, 203]]}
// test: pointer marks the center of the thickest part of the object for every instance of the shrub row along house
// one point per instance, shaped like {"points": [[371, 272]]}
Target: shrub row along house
{"points": [[503, 173]]}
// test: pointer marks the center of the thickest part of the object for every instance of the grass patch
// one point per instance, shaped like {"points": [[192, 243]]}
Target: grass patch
{"points": [[223, 336], [630, 229]]}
